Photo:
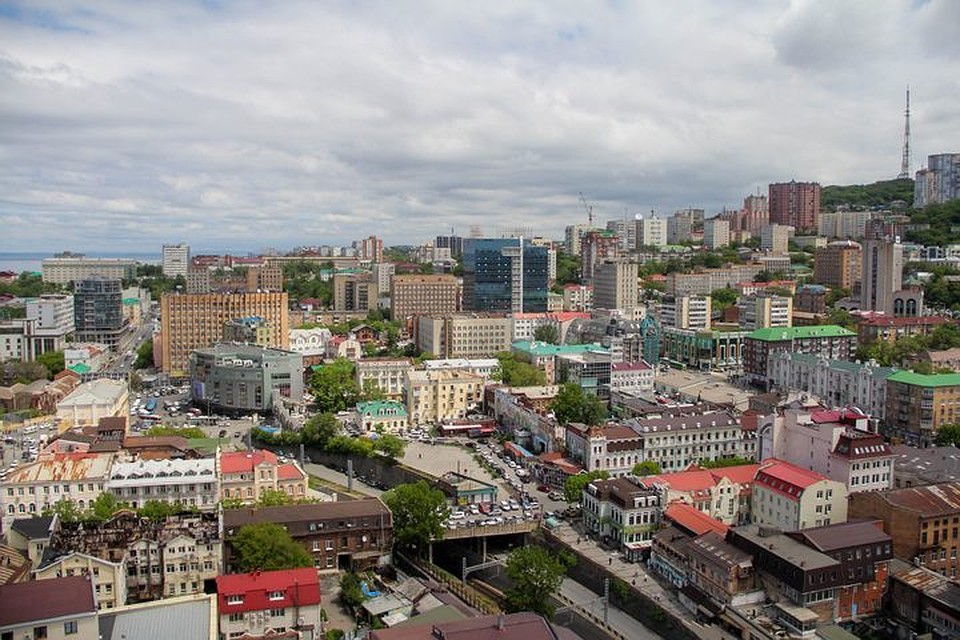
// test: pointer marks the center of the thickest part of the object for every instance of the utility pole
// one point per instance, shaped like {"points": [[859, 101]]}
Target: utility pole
{"points": [[606, 600]]}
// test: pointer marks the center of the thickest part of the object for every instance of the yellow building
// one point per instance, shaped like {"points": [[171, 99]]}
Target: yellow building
{"points": [[413, 295], [436, 396], [109, 578], [197, 320], [91, 401]]}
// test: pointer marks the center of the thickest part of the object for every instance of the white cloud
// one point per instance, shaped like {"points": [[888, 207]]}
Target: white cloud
{"points": [[239, 125]]}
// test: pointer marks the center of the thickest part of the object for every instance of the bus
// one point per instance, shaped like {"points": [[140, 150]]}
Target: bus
{"points": [[151, 405]]}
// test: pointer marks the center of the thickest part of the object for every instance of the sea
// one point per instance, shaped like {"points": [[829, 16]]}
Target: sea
{"points": [[20, 261]]}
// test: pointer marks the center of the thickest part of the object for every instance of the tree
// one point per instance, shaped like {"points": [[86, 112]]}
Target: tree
{"points": [[723, 298], [547, 333], [190, 433], [571, 404], [268, 547], [948, 434], [159, 510], [516, 373], [334, 386], [104, 506], [274, 498], [144, 355], [53, 361], [732, 461], [646, 468], [419, 512], [320, 428], [390, 446], [350, 592], [573, 487], [536, 575], [67, 510]]}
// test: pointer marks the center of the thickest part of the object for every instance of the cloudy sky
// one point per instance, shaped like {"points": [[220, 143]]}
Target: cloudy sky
{"points": [[241, 125]]}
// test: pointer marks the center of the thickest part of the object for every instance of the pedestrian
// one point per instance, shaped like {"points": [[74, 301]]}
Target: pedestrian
{"points": [[610, 561]]}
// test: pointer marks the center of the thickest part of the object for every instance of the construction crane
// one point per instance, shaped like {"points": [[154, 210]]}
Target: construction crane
{"points": [[588, 207]]}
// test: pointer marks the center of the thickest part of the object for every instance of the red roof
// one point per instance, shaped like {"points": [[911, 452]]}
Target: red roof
{"points": [[289, 472], [691, 480], [880, 320], [741, 473], [631, 366], [787, 479], [242, 461], [296, 587], [694, 520]]}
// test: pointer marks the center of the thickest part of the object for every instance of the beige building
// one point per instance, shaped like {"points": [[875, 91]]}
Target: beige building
{"points": [[66, 269], [29, 610], [247, 475], [775, 238], [415, 295], [435, 396], [716, 233], [109, 578], [792, 498], [91, 401], [267, 278], [760, 312], [354, 292], [464, 336], [79, 477], [839, 264], [614, 285], [686, 312], [387, 374], [195, 321]]}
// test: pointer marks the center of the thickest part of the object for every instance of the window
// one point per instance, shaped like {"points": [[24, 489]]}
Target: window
{"points": [[234, 599], [275, 595], [39, 632], [278, 613], [236, 617], [70, 628]]}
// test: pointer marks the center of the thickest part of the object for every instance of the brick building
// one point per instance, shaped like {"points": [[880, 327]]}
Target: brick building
{"points": [[758, 347]]}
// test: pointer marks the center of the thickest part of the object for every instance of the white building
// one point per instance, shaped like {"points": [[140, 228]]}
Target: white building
{"points": [[79, 477], [66, 269], [92, 357], [192, 483], [791, 498], [175, 260], [310, 342], [716, 233], [635, 376], [46, 327], [387, 374], [93, 400], [652, 231], [686, 312], [775, 238], [837, 383], [484, 367], [763, 311], [572, 236]]}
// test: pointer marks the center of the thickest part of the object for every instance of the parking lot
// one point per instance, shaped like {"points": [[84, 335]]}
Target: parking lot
{"points": [[173, 409], [21, 445]]}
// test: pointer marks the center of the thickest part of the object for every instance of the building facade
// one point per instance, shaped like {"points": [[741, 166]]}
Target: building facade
{"points": [[191, 483], [248, 475], [64, 269], [464, 336], [761, 345], [623, 512], [686, 312], [918, 405], [839, 264], [386, 374], [175, 260], [504, 275], [244, 378], [716, 233], [98, 311], [615, 285], [792, 498], [939, 182], [438, 396], [795, 204], [764, 311], [775, 238], [415, 295]]}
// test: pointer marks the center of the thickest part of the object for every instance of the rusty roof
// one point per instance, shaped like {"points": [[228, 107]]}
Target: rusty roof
{"points": [[928, 501], [304, 512], [59, 467]]}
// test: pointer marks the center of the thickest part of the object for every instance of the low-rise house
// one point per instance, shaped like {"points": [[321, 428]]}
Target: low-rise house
{"points": [[513, 626], [109, 578], [79, 477], [101, 398], [722, 571], [921, 520], [386, 374], [438, 396], [352, 534], [247, 475], [190, 483], [382, 416], [64, 608], [31, 536], [924, 602], [623, 512], [789, 497], [723, 494], [631, 375], [670, 556], [269, 603]]}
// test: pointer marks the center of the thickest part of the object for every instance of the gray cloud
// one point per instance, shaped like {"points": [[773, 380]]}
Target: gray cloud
{"points": [[240, 125]]}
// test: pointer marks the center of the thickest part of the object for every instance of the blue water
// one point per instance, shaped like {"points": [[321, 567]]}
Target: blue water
{"points": [[18, 261]]}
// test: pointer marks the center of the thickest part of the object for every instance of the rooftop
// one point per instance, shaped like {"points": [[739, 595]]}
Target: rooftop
{"points": [[845, 534], [514, 626], [168, 472], [95, 392], [931, 465], [787, 479], [243, 461], [713, 545], [693, 520], [926, 380], [63, 467], [180, 617], [36, 528], [781, 334], [928, 501], [233, 518], [542, 349], [785, 547], [38, 600]]}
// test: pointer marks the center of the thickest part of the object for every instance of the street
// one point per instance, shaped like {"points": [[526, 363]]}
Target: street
{"points": [[626, 625]]}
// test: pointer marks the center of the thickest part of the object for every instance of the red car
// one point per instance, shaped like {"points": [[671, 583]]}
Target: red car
{"points": [[544, 488]]}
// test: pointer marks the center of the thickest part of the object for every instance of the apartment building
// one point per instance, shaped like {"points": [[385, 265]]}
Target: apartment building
{"points": [[764, 311], [596, 246], [838, 383], [686, 312], [837, 444], [723, 495], [839, 264], [49, 322], [190, 483], [577, 297], [544, 355], [636, 376], [60, 609], [623, 512], [761, 345], [484, 367], [417, 295], [79, 477], [873, 327], [341, 536], [109, 578], [369, 249], [196, 321], [464, 336], [922, 522], [939, 181], [651, 231], [64, 269], [775, 238], [918, 405], [795, 204], [437, 396], [246, 475], [843, 224], [92, 401], [716, 233], [705, 282], [357, 292], [175, 260], [721, 572], [385, 374], [791, 498], [267, 603]]}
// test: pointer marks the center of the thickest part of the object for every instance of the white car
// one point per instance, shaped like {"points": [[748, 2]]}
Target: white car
{"points": [[457, 515]]}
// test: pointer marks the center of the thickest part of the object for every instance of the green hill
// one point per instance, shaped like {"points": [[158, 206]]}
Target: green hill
{"points": [[867, 196]]}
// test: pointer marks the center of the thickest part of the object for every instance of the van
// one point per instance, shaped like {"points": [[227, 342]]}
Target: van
{"points": [[30, 429]]}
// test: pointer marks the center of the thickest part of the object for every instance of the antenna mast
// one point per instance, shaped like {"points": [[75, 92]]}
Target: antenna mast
{"points": [[905, 162]]}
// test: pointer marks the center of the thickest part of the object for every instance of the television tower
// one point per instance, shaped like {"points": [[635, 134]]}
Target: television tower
{"points": [[905, 162]]}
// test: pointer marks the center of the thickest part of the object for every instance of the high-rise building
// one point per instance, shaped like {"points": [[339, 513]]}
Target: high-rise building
{"points": [[65, 268], [651, 231], [615, 284], [452, 242], [573, 235], [354, 292], [382, 273], [195, 321], [415, 295], [369, 249], [843, 224], [775, 238], [595, 247], [839, 264], [50, 319], [266, 278], [939, 182], [686, 312], [626, 230], [795, 204], [499, 276], [882, 267], [175, 260], [716, 233], [755, 214], [762, 311], [98, 311]]}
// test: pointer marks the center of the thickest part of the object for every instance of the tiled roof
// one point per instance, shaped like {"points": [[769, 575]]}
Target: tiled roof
{"points": [[787, 479], [693, 520], [684, 480], [63, 466], [846, 534], [27, 602], [290, 472], [299, 587], [242, 461], [741, 473], [880, 320], [930, 500]]}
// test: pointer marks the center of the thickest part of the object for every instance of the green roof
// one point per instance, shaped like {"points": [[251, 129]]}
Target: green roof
{"points": [[80, 368], [782, 334], [391, 408], [131, 301], [546, 349], [923, 380]]}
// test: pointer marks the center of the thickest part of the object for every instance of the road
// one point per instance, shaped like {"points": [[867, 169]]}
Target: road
{"points": [[617, 619], [332, 475]]}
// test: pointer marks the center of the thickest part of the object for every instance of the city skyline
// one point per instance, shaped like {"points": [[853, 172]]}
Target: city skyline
{"points": [[244, 125]]}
